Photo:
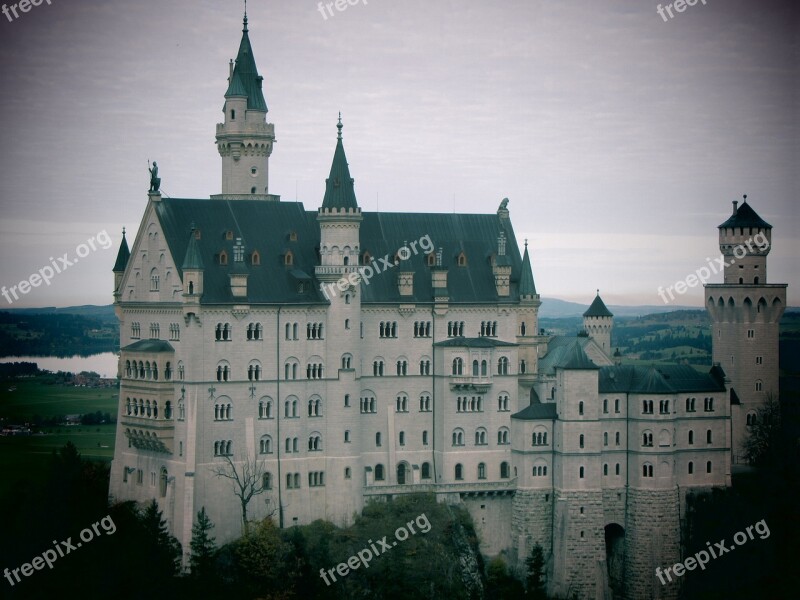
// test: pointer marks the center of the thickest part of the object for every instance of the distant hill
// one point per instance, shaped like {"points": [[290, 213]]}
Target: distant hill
{"points": [[553, 308], [103, 313]]}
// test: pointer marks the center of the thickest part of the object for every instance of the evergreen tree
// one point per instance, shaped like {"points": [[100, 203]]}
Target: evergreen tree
{"points": [[203, 546], [535, 578], [164, 548]]}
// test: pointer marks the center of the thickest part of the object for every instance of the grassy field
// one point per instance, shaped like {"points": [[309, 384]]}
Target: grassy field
{"points": [[26, 457]]}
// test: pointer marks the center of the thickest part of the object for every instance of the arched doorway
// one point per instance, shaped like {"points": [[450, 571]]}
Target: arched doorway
{"points": [[615, 556], [402, 473]]}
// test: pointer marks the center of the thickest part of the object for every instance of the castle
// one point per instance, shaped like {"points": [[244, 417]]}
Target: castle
{"points": [[345, 355]]}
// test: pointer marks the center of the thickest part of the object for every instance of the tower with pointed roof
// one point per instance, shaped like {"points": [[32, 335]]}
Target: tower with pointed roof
{"points": [[746, 311], [123, 254], [598, 322], [244, 138]]}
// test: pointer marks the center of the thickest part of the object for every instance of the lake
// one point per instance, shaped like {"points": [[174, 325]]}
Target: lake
{"points": [[105, 363]]}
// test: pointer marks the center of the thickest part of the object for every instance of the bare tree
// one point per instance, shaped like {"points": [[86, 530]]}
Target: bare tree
{"points": [[247, 475]]}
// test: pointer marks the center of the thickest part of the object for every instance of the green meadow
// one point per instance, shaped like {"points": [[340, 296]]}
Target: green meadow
{"points": [[27, 457]]}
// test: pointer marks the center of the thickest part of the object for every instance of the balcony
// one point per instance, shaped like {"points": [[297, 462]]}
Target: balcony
{"points": [[478, 384], [463, 488]]}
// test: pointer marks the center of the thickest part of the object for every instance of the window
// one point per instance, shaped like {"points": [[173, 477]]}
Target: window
{"points": [[458, 366], [751, 419], [377, 368], [314, 331], [424, 367], [402, 368], [388, 329], [401, 403], [266, 481], [480, 437], [378, 439], [422, 329], [663, 407], [222, 332], [424, 438], [505, 471], [691, 437], [347, 473], [605, 469], [316, 479], [223, 448], [347, 437], [605, 438], [605, 406], [690, 467], [751, 334], [459, 472], [502, 436], [402, 438], [539, 438], [502, 366], [481, 471], [255, 332], [616, 406], [647, 470], [425, 403], [265, 445], [455, 328], [581, 473], [502, 403], [154, 279], [759, 385], [223, 412], [690, 404], [314, 371], [458, 437], [379, 475], [315, 442], [315, 407], [581, 440], [254, 372], [647, 439], [347, 400], [708, 467], [425, 471], [368, 404], [290, 408], [580, 407], [759, 360], [708, 404], [616, 469], [708, 436]]}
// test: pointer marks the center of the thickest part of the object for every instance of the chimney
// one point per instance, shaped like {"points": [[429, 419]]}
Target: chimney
{"points": [[735, 207]]}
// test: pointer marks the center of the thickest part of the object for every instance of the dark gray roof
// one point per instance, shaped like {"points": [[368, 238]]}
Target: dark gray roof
{"points": [[149, 346], [598, 308], [265, 224], [745, 216], [339, 188], [478, 342], [245, 80], [557, 349], [664, 379], [527, 287], [123, 255], [537, 412], [575, 358]]}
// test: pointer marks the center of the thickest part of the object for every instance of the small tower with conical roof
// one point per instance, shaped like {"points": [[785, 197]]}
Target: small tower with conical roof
{"points": [[528, 336], [192, 269], [598, 322], [121, 263], [244, 138]]}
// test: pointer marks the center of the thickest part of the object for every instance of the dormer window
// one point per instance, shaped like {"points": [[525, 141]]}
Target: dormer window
{"points": [[255, 258], [366, 258], [223, 258], [431, 258], [288, 258], [197, 234], [292, 236], [462, 259], [229, 235]]}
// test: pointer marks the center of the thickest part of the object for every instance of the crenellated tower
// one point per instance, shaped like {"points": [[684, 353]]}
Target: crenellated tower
{"points": [[745, 312]]}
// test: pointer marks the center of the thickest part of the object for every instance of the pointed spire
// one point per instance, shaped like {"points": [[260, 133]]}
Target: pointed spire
{"points": [[192, 260], [245, 80], [123, 255], [598, 308], [339, 190], [526, 285]]}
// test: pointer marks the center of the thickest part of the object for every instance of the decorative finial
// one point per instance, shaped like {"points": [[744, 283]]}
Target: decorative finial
{"points": [[526, 243], [123, 232], [245, 17], [745, 198], [598, 291], [339, 125]]}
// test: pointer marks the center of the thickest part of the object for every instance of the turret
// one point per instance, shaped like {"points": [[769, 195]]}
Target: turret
{"points": [[121, 263], [598, 322]]}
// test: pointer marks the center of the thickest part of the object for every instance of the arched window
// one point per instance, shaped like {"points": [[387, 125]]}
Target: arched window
{"points": [[458, 366], [163, 480], [379, 475], [425, 471], [458, 437], [265, 445], [480, 437], [580, 407], [581, 440], [708, 436], [708, 467], [481, 471], [502, 436], [459, 472], [691, 467], [378, 439], [581, 472], [691, 437], [502, 366]]}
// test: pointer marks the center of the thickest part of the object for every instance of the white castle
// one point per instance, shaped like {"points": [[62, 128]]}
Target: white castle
{"points": [[352, 355]]}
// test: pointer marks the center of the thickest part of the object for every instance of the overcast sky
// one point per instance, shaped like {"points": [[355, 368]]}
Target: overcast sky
{"points": [[619, 138]]}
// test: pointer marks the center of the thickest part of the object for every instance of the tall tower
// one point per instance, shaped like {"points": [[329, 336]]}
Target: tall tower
{"points": [[245, 139], [597, 322], [745, 312]]}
